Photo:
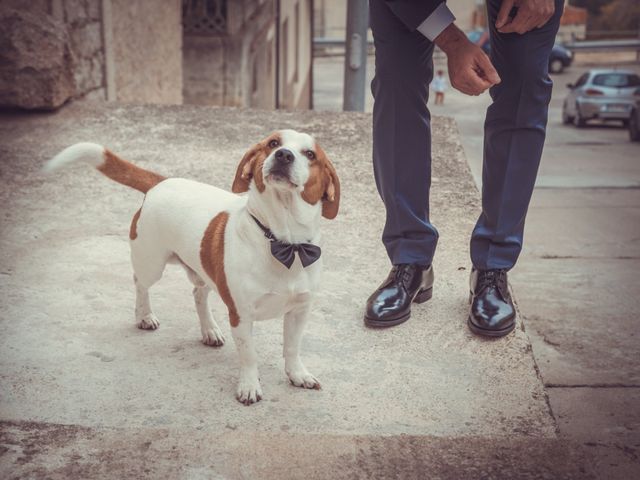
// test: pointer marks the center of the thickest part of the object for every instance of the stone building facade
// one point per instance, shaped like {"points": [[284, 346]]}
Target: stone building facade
{"points": [[144, 50], [295, 44], [83, 22], [250, 53], [247, 53]]}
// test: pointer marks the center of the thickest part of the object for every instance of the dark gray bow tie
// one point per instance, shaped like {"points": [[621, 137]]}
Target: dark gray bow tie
{"points": [[285, 252]]}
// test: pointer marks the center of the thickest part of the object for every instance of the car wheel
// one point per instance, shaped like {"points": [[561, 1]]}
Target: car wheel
{"points": [[556, 65], [566, 118], [578, 120], [634, 128]]}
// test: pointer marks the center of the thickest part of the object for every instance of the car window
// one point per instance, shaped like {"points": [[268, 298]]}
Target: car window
{"points": [[616, 80], [582, 80]]}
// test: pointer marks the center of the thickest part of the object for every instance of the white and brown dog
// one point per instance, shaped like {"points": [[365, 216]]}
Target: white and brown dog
{"points": [[242, 246]]}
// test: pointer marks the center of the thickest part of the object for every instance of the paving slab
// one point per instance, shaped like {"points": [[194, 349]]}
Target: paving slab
{"points": [[583, 321], [70, 353], [583, 223], [606, 422], [577, 282], [579, 198]]}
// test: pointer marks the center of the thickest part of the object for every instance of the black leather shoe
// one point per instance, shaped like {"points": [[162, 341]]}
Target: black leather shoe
{"points": [[492, 312], [390, 304]]}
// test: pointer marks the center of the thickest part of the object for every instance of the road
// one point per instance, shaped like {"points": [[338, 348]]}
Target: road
{"points": [[572, 158], [577, 280]]}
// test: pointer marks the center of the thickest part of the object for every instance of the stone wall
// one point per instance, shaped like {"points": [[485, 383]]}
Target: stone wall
{"points": [[74, 26], [146, 50], [36, 63], [120, 50], [83, 19]]}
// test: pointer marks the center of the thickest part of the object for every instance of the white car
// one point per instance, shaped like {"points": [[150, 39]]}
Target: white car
{"points": [[600, 94]]}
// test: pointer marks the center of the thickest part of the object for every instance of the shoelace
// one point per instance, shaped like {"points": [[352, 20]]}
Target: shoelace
{"points": [[492, 278], [403, 272]]}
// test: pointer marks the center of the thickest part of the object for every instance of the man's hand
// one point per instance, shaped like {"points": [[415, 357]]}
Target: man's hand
{"points": [[531, 14], [470, 70]]}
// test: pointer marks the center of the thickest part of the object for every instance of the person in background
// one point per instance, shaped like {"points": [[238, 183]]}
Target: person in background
{"points": [[439, 85], [405, 32]]}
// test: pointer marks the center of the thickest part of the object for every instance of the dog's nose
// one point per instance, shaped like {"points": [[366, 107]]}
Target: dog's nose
{"points": [[284, 156]]}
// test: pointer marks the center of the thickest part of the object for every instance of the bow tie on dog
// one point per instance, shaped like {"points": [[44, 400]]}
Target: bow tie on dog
{"points": [[285, 252]]}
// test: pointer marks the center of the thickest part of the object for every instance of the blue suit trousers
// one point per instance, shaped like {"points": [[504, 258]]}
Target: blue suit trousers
{"points": [[514, 134]]}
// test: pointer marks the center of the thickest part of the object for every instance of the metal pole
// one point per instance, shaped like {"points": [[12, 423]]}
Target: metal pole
{"points": [[277, 70], [355, 59]]}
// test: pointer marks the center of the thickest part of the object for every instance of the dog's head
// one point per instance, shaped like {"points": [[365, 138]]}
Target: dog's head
{"points": [[290, 161]]}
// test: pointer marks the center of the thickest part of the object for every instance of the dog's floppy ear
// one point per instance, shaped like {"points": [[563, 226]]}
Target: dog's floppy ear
{"points": [[245, 170], [331, 196]]}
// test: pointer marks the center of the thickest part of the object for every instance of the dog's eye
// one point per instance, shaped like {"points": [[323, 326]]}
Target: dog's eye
{"points": [[274, 143], [310, 154]]}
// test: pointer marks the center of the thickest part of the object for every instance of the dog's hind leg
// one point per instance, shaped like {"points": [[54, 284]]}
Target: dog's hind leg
{"points": [[211, 333], [147, 270], [145, 318]]}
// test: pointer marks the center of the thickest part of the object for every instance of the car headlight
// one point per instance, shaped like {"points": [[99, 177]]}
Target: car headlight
{"points": [[569, 54]]}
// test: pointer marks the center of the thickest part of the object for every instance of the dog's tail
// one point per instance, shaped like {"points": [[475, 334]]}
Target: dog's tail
{"points": [[106, 162]]}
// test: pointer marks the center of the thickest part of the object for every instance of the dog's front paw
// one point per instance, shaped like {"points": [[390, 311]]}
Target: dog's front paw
{"points": [[213, 337], [149, 322], [249, 389], [300, 377]]}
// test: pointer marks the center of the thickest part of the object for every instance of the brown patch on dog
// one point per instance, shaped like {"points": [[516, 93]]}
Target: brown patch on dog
{"points": [[212, 258], [128, 174], [323, 184], [133, 229], [250, 166]]}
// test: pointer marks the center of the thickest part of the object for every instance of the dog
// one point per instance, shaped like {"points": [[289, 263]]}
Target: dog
{"points": [[241, 244]]}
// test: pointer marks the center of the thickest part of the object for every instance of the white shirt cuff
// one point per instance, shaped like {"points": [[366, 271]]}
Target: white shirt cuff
{"points": [[435, 23]]}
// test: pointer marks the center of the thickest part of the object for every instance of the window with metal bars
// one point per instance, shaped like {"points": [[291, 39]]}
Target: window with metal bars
{"points": [[204, 17]]}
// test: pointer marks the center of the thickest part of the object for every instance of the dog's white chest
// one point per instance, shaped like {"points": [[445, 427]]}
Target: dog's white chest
{"points": [[276, 304], [284, 294]]}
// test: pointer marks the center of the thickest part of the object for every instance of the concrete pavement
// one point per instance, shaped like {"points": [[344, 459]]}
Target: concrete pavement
{"points": [[84, 393], [578, 282], [71, 451], [577, 279]]}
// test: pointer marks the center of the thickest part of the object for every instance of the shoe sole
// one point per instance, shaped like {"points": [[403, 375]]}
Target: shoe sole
{"points": [[490, 333], [421, 297]]}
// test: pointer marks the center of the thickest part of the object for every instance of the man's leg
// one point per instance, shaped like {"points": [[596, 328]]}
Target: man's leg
{"points": [[514, 136], [402, 164], [402, 136]]}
